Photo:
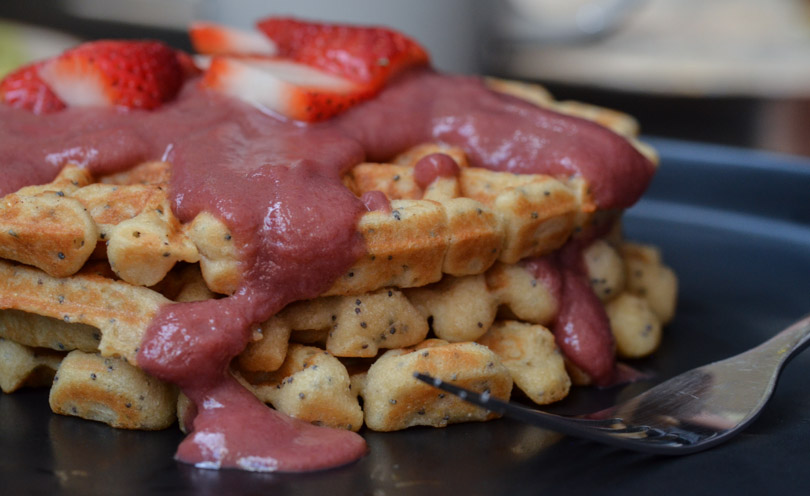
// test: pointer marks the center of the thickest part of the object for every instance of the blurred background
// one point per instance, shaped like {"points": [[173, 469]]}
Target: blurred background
{"points": [[733, 72]]}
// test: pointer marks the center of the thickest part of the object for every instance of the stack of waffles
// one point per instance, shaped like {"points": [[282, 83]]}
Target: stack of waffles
{"points": [[88, 261]]}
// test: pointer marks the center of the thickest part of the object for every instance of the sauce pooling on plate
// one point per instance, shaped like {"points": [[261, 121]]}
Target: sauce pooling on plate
{"points": [[277, 185]]}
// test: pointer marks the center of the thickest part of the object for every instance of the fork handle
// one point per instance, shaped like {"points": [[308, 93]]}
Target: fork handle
{"points": [[789, 342]]}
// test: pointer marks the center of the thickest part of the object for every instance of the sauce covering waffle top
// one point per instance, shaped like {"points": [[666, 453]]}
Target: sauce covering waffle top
{"points": [[305, 161]]}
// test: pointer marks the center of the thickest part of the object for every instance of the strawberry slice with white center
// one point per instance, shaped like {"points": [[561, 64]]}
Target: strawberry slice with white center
{"points": [[209, 38], [133, 74], [304, 70], [24, 88], [294, 90], [365, 55]]}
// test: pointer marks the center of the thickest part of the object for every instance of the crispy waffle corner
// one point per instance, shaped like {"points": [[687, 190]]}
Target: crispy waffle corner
{"points": [[87, 262]]}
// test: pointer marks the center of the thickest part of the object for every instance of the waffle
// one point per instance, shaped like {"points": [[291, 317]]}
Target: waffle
{"points": [[88, 261]]}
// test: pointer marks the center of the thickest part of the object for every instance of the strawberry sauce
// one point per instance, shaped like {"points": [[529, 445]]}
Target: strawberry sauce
{"points": [[277, 185], [581, 327], [433, 166]]}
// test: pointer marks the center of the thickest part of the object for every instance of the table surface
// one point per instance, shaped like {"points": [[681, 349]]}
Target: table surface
{"points": [[756, 48]]}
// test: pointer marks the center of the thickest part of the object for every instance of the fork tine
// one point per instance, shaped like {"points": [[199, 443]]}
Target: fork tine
{"points": [[653, 440], [608, 423], [518, 412], [482, 399]]}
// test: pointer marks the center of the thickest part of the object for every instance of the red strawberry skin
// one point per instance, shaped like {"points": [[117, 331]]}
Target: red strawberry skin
{"points": [[134, 74], [214, 39], [366, 55], [187, 65], [23, 88], [315, 106], [292, 89]]}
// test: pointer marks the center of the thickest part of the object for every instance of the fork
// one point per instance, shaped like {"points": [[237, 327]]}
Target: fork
{"points": [[693, 411]]}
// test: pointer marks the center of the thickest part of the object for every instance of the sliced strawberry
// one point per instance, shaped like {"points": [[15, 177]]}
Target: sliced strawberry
{"points": [[187, 65], [366, 55], [294, 90], [213, 39], [134, 74], [23, 88]]}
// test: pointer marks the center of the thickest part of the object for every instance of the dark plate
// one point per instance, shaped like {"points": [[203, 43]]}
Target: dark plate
{"points": [[734, 224]]}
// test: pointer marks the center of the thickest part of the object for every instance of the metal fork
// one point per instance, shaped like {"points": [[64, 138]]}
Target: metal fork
{"points": [[691, 412]]}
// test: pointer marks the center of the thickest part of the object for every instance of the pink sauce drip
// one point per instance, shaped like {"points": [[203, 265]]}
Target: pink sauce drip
{"points": [[546, 270], [498, 132], [581, 327], [277, 185], [232, 429], [433, 166], [625, 374], [376, 201]]}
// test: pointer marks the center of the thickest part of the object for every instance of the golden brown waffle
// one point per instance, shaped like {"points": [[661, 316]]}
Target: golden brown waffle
{"points": [[88, 262]]}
